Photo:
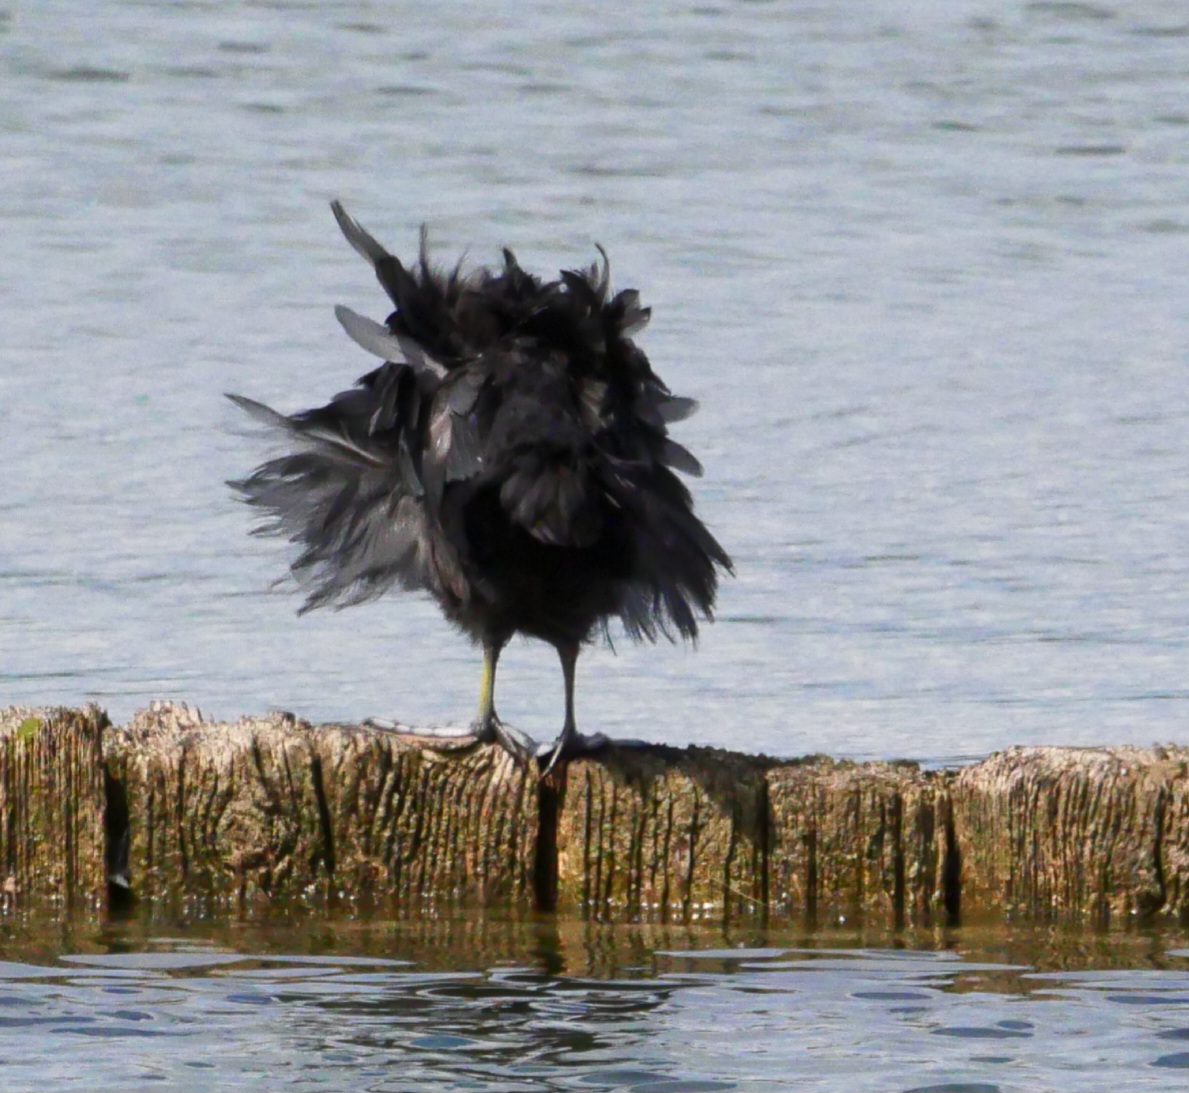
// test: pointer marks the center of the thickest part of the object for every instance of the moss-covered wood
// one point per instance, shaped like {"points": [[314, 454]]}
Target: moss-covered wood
{"points": [[52, 807], [859, 840], [662, 832], [273, 810]]}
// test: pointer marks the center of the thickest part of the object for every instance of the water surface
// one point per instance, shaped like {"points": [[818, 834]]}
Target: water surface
{"points": [[923, 265], [556, 1005]]}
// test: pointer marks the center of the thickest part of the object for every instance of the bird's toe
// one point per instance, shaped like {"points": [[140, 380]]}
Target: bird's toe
{"points": [[570, 745], [384, 723], [491, 730]]}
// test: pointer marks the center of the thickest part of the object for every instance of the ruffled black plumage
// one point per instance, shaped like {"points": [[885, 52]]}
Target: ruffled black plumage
{"points": [[511, 456]]}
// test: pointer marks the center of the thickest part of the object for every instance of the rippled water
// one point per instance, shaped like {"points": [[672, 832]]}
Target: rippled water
{"points": [[549, 1006], [923, 264]]}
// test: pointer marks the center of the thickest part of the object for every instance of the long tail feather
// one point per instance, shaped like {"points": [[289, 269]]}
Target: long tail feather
{"points": [[357, 236]]}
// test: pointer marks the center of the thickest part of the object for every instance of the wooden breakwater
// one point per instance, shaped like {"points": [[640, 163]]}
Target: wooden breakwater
{"points": [[273, 810]]}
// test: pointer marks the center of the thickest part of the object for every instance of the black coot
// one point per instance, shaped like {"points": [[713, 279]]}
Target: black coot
{"points": [[511, 457]]}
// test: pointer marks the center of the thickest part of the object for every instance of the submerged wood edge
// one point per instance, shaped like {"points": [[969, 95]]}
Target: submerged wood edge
{"points": [[273, 810]]}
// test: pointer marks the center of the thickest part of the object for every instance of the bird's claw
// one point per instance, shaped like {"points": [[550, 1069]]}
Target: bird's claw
{"points": [[570, 745], [491, 730], [384, 723]]}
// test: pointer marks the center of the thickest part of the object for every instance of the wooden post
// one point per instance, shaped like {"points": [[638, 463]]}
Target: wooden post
{"points": [[663, 833], [859, 841], [1072, 833], [273, 810], [52, 839]]}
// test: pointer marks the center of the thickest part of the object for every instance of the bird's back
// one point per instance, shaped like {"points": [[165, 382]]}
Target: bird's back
{"points": [[511, 456]]}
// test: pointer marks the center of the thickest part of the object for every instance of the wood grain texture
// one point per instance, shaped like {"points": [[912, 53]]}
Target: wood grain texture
{"points": [[227, 812], [858, 840], [1073, 833], [662, 832], [272, 808], [427, 825], [271, 811], [52, 838]]}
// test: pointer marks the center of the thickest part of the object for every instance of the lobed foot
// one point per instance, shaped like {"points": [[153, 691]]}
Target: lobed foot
{"points": [[438, 732], [491, 730], [570, 745]]}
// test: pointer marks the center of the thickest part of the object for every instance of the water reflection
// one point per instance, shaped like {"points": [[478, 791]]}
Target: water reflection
{"points": [[542, 1003]]}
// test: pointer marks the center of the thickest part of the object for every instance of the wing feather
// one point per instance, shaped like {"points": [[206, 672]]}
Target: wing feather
{"points": [[347, 491]]}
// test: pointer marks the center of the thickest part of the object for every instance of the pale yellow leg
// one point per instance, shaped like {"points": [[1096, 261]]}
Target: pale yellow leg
{"points": [[487, 726], [491, 657]]}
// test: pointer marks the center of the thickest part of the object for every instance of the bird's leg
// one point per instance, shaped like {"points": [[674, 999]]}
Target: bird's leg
{"points": [[571, 742], [486, 715], [487, 727]]}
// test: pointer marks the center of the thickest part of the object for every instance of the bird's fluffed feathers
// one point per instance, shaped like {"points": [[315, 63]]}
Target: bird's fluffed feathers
{"points": [[511, 456]]}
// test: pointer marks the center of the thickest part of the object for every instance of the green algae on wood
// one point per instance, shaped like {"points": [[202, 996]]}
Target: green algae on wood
{"points": [[852, 840], [272, 809], [52, 838], [662, 832]]}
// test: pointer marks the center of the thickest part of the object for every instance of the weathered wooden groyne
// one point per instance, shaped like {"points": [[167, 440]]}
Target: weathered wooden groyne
{"points": [[271, 810]]}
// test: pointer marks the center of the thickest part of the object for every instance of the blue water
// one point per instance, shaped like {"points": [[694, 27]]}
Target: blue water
{"points": [[527, 1007], [923, 265]]}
